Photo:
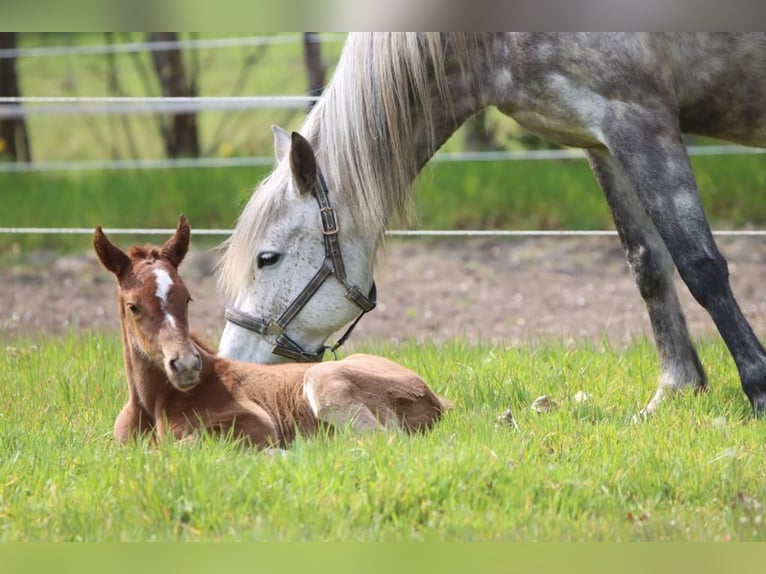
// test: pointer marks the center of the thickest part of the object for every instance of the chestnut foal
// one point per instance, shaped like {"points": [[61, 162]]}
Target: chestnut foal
{"points": [[178, 386]]}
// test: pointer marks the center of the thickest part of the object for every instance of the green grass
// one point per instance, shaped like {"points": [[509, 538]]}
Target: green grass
{"points": [[583, 472], [210, 198], [564, 194]]}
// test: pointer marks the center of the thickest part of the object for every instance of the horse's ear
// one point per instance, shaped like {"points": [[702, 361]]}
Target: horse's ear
{"points": [[111, 256], [175, 248], [302, 162], [281, 142]]}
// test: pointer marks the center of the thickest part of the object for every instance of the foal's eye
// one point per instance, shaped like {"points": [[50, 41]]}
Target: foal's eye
{"points": [[132, 308], [267, 258]]}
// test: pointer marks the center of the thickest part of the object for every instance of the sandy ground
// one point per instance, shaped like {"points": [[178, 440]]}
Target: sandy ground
{"points": [[503, 291]]}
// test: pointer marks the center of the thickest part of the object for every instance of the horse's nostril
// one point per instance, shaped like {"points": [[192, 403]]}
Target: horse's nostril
{"points": [[184, 365]]}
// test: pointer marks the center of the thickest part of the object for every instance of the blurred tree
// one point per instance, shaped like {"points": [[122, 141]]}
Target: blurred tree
{"points": [[14, 137], [314, 66], [179, 131]]}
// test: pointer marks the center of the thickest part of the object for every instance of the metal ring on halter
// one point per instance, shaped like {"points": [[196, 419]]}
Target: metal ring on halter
{"points": [[332, 264]]}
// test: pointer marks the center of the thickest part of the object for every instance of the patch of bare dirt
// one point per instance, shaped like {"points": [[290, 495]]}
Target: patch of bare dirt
{"points": [[508, 291]]}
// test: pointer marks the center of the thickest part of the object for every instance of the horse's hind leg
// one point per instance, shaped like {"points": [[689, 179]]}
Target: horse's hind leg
{"points": [[649, 149], [653, 270]]}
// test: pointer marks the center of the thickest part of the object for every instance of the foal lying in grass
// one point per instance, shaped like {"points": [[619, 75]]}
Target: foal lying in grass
{"points": [[179, 386]]}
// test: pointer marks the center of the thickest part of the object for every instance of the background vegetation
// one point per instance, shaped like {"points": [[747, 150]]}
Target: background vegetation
{"points": [[471, 195], [476, 195]]}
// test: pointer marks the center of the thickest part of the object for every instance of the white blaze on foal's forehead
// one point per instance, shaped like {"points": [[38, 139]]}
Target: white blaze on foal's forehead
{"points": [[164, 283]]}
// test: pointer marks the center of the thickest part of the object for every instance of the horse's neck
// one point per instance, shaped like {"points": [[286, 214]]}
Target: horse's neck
{"points": [[451, 100], [377, 137]]}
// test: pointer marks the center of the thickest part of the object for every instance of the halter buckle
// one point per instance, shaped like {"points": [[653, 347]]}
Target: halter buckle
{"points": [[329, 221]]}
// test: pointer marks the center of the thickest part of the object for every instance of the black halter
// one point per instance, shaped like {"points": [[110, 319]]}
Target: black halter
{"points": [[331, 265]]}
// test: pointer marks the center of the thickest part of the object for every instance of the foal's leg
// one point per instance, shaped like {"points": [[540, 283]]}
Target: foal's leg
{"points": [[653, 270], [253, 423], [131, 423], [242, 420], [334, 399], [647, 146], [372, 393]]}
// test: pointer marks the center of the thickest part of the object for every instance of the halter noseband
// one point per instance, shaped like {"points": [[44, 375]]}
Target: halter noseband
{"points": [[331, 265]]}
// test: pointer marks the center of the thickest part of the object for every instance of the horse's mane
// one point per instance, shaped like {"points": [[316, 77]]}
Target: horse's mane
{"points": [[362, 129]]}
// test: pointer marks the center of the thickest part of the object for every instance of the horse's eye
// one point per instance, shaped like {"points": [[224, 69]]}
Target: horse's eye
{"points": [[267, 258], [132, 308]]}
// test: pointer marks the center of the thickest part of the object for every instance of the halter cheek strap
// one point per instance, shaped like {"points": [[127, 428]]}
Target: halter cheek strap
{"points": [[332, 264]]}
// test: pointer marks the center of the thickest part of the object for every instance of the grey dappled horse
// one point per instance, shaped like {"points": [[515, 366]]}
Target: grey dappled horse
{"points": [[299, 264]]}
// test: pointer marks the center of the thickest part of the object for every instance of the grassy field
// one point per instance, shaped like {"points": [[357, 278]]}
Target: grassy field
{"points": [[582, 472]]}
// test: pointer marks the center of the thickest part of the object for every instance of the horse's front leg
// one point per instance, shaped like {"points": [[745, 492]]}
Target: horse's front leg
{"points": [[647, 146], [653, 270], [132, 422]]}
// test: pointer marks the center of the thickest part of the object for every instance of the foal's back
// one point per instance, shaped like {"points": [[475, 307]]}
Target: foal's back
{"points": [[276, 389]]}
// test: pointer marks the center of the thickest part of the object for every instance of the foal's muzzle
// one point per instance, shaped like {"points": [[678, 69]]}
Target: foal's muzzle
{"points": [[184, 370]]}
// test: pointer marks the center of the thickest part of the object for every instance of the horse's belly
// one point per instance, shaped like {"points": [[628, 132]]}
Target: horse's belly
{"points": [[744, 124], [560, 132], [564, 112]]}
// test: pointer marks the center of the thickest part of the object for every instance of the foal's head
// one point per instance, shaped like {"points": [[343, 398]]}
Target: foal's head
{"points": [[153, 303]]}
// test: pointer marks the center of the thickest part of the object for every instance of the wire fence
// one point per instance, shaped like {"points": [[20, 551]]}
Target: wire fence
{"points": [[18, 107], [188, 44], [260, 161], [15, 107]]}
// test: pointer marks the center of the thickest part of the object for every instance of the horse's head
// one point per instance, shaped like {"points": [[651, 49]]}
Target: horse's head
{"points": [[298, 266], [153, 304]]}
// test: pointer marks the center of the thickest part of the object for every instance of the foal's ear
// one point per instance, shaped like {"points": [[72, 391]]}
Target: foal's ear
{"points": [[175, 248], [303, 164], [111, 256]]}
